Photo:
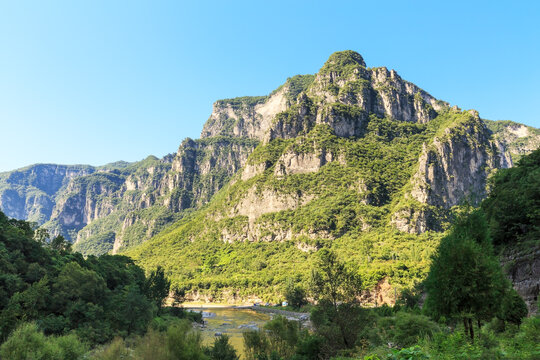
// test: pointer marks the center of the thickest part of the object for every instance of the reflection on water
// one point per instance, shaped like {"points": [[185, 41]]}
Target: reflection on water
{"points": [[231, 322]]}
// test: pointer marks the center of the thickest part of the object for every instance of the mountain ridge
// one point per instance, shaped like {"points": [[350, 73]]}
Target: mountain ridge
{"points": [[349, 155]]}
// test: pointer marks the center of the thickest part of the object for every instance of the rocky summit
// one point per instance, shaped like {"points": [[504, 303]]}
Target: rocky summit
{"points": [[352, 158]]}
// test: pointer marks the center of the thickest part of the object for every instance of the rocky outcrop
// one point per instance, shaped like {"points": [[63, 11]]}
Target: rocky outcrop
{"points": [[257, 230], [152, 195], [517, 139], [103, 204], [452, 170], [293, 162], [127, 203], [258, 202], [29, 193], [248, 117], [344, 78], [456, 165], [523, 270]]}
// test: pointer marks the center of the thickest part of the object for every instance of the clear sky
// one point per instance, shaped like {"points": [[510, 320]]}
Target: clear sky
{"points": [[98, 81]]}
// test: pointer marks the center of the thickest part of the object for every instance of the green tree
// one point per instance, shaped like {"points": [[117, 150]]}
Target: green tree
{"points": [[337, 317], [513, 309], [514, 202], [295, 294], [27, 342], [59, 243], [465, 280], [222, 349], [333, 282], [157, 286]]}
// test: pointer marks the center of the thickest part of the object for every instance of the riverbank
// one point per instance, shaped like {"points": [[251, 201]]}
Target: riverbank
{"points": [[303, 316]]}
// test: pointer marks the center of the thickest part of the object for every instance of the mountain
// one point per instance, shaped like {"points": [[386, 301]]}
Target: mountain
{"points": [[518, 139], [353, 158], [117, 205]]}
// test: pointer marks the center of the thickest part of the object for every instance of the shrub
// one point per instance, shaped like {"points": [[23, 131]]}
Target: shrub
{"points": [[222, 350], [295, 295], [409, 328], [27, 342]]}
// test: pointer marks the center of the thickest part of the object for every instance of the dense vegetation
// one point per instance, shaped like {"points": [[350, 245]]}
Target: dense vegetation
{"points": [[58, 305], [58, 302], [350, 211], [471, 311], [514, 203]]}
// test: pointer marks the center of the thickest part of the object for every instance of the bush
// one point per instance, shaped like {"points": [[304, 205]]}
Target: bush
{"points": [[27, 342], [222, 350], [115, 350], [295, 295], [409, 328], [184, 342], [409, 353]]}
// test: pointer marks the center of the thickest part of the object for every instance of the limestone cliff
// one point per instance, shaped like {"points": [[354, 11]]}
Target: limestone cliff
{"points": [[452, 169], [517, 138], [29, 193], [353, 158], [523, 269]]}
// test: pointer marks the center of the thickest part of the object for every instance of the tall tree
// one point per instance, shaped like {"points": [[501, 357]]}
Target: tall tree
{"points": [[338, 316], [513, 205], [465, 280], [157, 286]]}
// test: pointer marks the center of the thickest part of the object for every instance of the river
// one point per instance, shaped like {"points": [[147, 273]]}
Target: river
{"points": [[231, 322]]}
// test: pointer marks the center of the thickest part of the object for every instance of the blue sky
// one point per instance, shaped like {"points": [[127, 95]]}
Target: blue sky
{"points": [[99, 81]]}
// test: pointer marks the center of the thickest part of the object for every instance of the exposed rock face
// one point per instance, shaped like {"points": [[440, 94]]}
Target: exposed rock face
{"points": [[199, 169], [413, 221], [248, 117], [523, 269], [379, 91], [518, 139], [383, 293], [456, 165], [89, 204], [293, 162], [120, 205], [28, 193], [452, 170], [257, 203]]}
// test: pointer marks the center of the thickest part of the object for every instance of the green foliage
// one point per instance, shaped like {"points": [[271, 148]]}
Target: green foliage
{"points": [[281, 338], [97, 298], [414, 352], [513, 308], [221, 349], [343, 62], [295, 85], [514, 202], [157, 286], [333, 282], [465, 279], [178, 341], [298, 84], [295, 295], [28, 342], [406, 329], [183, 342], [240, 102]]}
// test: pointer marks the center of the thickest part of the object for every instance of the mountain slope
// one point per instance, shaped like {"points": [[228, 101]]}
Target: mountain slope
{"points": [[359, 160], [120, 205], [518, 139]]}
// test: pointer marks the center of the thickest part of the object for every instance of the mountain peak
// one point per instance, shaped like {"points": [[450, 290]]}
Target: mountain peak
{"points": [[344, 58]]}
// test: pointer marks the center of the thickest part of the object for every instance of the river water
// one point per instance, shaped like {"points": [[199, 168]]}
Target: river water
{"points": [[232, 322]]}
